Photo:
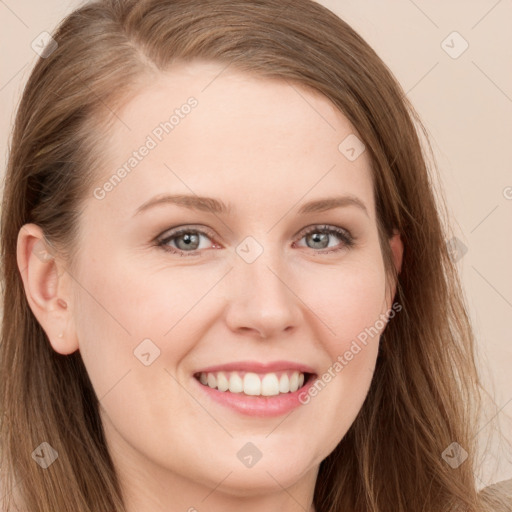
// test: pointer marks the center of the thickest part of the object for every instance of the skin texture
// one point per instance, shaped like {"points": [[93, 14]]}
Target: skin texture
{"points": [[264, 147]]}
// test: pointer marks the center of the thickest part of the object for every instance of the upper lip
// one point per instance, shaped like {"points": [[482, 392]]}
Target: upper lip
{"points": [[257, 367]]}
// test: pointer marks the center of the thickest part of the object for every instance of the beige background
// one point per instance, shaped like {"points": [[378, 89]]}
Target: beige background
{"points": [[466, 104]]}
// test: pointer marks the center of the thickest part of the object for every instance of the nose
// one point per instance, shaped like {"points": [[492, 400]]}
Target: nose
{"points": [[261, 297]]}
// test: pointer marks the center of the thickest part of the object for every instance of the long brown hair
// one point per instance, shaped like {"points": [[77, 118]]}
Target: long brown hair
{"points": [[425, 393]]}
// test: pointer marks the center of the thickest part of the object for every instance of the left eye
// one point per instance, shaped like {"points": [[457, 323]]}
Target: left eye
{"points": [[186, 241], [190, 240]]}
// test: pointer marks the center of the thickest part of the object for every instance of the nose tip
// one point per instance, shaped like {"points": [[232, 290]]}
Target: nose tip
{"points": [[265, 330]]}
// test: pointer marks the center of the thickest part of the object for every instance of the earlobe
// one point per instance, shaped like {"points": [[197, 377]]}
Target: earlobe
{"points": [[46, 288]]}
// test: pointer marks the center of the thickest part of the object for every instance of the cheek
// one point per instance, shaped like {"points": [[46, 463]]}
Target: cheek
{"points": [[350, 301], [126, 318], [134, 331]]}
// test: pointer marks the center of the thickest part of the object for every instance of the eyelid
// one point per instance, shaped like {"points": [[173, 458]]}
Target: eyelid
{"points": [[186, 227], [323, 227]]}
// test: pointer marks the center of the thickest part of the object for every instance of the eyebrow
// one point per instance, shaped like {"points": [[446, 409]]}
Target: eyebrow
{"points": [[323, 205], [211, 205], [192, 202]]}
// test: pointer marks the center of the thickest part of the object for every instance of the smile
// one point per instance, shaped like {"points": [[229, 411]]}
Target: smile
{"points": [[254, 384]]}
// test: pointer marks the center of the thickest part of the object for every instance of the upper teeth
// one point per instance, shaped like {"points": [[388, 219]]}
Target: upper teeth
{"points": [[267, 384]]}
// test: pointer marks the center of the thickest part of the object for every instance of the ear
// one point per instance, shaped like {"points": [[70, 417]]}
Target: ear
{"points": [[397, 249], [47, 287]]}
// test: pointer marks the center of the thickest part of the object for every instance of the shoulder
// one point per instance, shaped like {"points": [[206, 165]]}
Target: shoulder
{"points": [[503, 487], [498, 495]]}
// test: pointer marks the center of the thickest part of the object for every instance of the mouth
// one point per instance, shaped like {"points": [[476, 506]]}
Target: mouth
{"points": [[268, 384]]}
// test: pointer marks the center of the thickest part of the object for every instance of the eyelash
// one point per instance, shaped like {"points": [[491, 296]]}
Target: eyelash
{"points": [[347, 239]]}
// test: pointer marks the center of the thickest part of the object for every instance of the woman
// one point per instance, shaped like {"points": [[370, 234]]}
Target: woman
{"points": [[311, 352]]}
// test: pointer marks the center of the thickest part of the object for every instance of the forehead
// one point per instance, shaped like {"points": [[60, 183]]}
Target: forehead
{"points": [[200, 127]]}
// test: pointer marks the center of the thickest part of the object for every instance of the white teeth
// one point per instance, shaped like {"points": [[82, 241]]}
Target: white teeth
{"points": [[253, 384], [270, 385], [212, 381], [284, 384], [294, 382], [236, 384], [222, 382]]}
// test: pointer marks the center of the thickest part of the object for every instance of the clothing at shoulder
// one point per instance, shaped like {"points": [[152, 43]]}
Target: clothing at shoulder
{"points": [[499, 495]]}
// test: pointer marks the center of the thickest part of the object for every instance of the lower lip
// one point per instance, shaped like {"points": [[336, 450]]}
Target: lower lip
{"points": [[262, 406]]}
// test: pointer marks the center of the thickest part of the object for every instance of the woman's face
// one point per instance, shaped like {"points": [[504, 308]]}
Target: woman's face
{"points": [[264, 283]]}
